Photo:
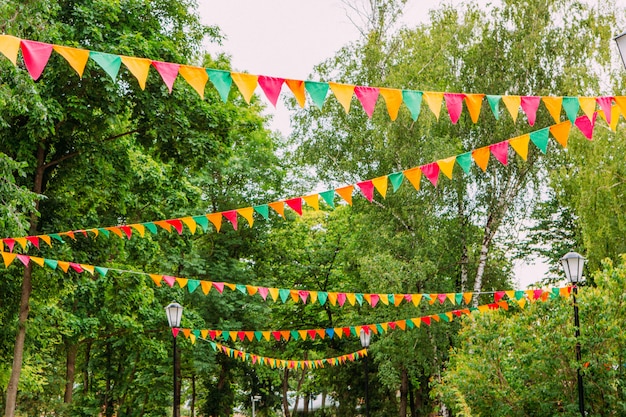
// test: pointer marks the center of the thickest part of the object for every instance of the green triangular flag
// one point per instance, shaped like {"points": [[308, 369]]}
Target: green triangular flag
{"points": [[353, 331], [51, 263], [494, 103], [465, 161], [192, 284], [284, 294], [242, 288], [571, 106], [556, 292], [444, 317], [213, 345], [196, 333], [519, 295], [108, 62], [391, 298], [222, 82], [57, 237], [202, 221], [396, 180], [295, 335], [413, 100], [101, 270], [263, 210], [322, 296], [380, 328], [426, 297], [151, 227], [329, 197], [458, 297], [472, 309], [258, 335], [104, 231], [410, 324], [540, 139], [317, 91], [359, 298]]}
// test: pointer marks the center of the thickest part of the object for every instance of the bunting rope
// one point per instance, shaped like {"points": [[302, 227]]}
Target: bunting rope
{"points": [[284, 294], [37, 54], [431, 171], [518, 297]]}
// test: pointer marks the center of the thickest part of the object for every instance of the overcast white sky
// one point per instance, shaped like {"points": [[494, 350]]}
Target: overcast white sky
{"points": [[287, 38]]}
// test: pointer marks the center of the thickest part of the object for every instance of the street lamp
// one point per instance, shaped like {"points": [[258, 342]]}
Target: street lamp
{"points": [[621, 46], [365, 336], [174, 313], [254, 399], [573, 266]]}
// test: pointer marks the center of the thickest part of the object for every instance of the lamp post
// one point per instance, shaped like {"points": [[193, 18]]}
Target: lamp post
{"points": [[174, 313], [573, 266], [365, 336], [621, 46], [254, 399]]}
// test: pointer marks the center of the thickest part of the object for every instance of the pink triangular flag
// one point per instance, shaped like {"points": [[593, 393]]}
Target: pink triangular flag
{"points": [[263, 291], [341, 298], [431, 171], [500, 151], [367, 96], [271, 86], [530, 104], [367, 188], [169, 280], [586, 126], [295, 204], [454, 103], [24, 259], [374, 299], [605, 104], [219, 286], [167, 71], [36, 56], [232, 217]]}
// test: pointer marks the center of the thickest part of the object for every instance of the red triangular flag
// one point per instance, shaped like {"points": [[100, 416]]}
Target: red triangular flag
{"points": [[497, 296], [167, 71], [36, 56], [177, 223], [295, 204], [271, 86], [454, 103], [586, 126], [530, 104], [232, 217], [431, 171], [367, 96], [500, 151], [34, 240], [367, 188]]}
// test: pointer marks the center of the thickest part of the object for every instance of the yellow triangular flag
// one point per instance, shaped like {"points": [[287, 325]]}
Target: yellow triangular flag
{"points": [[447, 166], [140, 228], [266, 335], [88, 268], [248, 214], [481, 157], [332, 297], [22, 241], [48, 240], [553, 104], [139, 67], [385, 327], [8, 258], [312, 201], [393, 99], [614, 117], [483, 308], [302, 334], [512, 104], [380, 184], [274, 293], [384, 298], [351, 297], [191, 224], [416, 298], [338, 332], [414, 176], [343, 93], [313, 297], [279, 207], [621, 103], [246, 83], [587, 105], [9, 46], [182, 282], [510, 294], [521, 302], [40, 261], [434, 101], [452, 297], [561, 132], [77, 58], [520, 144], [232, 287], [474, 103], [346, 193], [196, 77]]}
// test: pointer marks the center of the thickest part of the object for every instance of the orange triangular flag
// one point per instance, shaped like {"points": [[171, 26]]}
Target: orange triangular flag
{"points": [[206, 286], [393, 99], [621, 103], [297, 88], [156, 279], [346, 193], [332, 297], [343, 93], [216, 219], [587, 105], [196, 77], [397, 299], [312, 201], [279, 207], [414, 176], [561, 132], [286, 334], [380, 184], [77, 58], [246, 83], [447, 165], [295, 295], [474, 103], [553, 104], [163, 224], [248, 214], [63, 265], [512, 104], [434, 101], [9, 46], [139, 67], [252, 289], [481, 157], [614, 117], [8, 258], [520, 144], [467, 297]]}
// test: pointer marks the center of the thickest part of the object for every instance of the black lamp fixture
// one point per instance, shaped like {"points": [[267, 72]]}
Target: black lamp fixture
{"points": [[620, 40], [365, 335], [174, 312]]}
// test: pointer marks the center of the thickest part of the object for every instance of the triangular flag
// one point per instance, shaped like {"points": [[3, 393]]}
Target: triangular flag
{"points": [[343, 94], [329, 197], [346, 193], [9, 257], [279, 207], [540, 139], [454, 104], [196, 77], [222, 81], [512, 104], [396, 180], [231, 215], [434, 101], [530, 104], [606, 103], [367, 96], [571, 106], [431, 171], [312, 201], [474, 103], [248, 214], [367, 188], [191, 224], [587, 105], [621, 103], [481, 157], [216, 220], [561, 132], [274, 293], [157, 279], [586, 125], [139, 67], [380, 184], [108, 62], [553, 105], [271, 86], [9, 46], [494, 104], [176, 223], [167, 71], [295, 204], [36, 56], [500, 151], [317, 91], [393, 100], [447, 166], [246, 83], [263, 210], [520, 145], [465, 161], [297, 88], [413, 101], [614, 119], [192, 285], [77, 58], [414, 176]]}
